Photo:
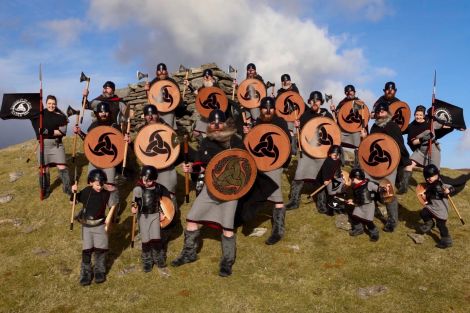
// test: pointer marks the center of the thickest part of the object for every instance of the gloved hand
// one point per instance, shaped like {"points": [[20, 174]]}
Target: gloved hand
{"points": [[426, 137]]}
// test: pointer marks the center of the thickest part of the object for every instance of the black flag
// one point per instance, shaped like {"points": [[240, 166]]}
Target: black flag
{"points": [[449, 114], [20, 106]]}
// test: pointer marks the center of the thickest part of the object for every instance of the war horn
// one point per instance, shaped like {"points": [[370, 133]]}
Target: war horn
{"points": [[141, 75], [71, 111]]}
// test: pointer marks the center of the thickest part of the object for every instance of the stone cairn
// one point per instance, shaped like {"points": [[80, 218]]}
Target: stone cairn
{"points": [[135, 96]]}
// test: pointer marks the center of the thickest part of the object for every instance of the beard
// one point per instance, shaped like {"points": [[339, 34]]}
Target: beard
{"points": [[222, 135], [266, 118], [207, 84], [382, 121]]}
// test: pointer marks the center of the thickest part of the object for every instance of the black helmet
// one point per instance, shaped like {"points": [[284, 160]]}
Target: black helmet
{"points": [[316, 95], [161, 67], [149, 172], [109, 84], [150, 109], [102, 107], [335, 149], [97, 175], [420, 108], [357, 173], [267, 103], [251, 66], [349, 88], [390, 85], [381, 106], [430, 170], [208, 72], [285, 77], [217, 116]]}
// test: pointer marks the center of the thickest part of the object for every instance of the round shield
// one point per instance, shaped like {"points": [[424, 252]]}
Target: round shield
{"points": [[420, 190], [290, 106], [157, 145], [165, 95], [210, 98], [104, 146], [378, 155], [318, 135], [269, 145], [353, 116], [387, 192], [230, 174], [168, 211], [401, 114], [250, 92]]}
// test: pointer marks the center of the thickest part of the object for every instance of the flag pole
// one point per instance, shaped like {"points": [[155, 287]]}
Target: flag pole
{"points": [[431, 126], [41, 139]]}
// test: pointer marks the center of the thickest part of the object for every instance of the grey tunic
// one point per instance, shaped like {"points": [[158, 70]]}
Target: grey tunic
{"points": [[351, 138], [169, 119], [207, 209], [420, 155], [335, 187], [168, 178], [53, 154], [201, 125], [366, 211], [94, 237], [308, 168], [275, 175], [149, 227], [439, 208]]}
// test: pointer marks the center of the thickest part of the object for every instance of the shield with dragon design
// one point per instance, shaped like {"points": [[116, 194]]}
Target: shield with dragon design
{"points": [[165, 95], [290, 106], [401, 114], [210, 98], [230, 174], [250, 92], [378, 155], [318, 135], [104, 146], [157, 145], [168, 211], [353, 116], [269, 146]]}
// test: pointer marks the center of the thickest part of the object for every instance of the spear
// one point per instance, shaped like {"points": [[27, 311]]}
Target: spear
{"points": [[74, 200], [186, 175], [431, 126], [42, 168]]}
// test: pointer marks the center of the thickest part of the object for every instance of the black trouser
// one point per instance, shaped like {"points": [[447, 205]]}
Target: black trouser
{"points": [[426, 215]]}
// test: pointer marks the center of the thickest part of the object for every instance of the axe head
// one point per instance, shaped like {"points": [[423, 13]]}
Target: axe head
{"points": [[269, 84], [183, 68], [328, 97], [71, 111], [141, 75], [83, 77]]}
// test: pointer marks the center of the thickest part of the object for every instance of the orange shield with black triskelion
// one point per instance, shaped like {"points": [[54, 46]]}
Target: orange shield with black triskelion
{"points": [[353, 116], [104, 146], [318, 135], [210, 98], [401, 114], [378, 155], [157, 145], [250, 92], [290, 106], [165, 95]]}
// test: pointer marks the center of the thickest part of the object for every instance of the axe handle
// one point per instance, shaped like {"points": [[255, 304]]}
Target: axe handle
{"points": [[126, 146], [455, 209], [233, 87], [74, 151], [297, 132], [134, 218], [84, 100], [186, 175], [317, 191], [74, 199], [184, 88]]}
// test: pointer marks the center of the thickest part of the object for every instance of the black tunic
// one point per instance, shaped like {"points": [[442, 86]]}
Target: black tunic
{"points": [[51, 121]]}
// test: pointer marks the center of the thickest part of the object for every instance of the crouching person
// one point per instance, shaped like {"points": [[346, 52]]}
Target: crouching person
{"points": [[436, 205], [364, 205], [95, 226], [147, 196]]}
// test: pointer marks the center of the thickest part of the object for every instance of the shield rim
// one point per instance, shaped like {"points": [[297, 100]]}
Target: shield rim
{"points": [[206, 112], [104, 129], [407, 122], [345, 126], [168, 211], [156, 164], [278, 129], [159, 105], [279, 103], [420, 189], [366, 167]]}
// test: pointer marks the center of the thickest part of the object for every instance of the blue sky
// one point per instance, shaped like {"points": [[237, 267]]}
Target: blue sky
{"points": [[324, 45]]}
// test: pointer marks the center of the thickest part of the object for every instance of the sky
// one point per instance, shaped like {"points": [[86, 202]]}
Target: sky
{"points": [[323, 45]]}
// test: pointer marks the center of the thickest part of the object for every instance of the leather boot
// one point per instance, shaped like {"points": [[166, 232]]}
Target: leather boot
{"points": [[295, 189], [147, 261], [47, 184], [229, 251], [404, 182], [427, 226], [373, 233], [356, 228], [100, 267], [321, 203], [85, 269], [278, 219], [392, 212], [189, 252], [159, 255], [445, 242], [64, 176]]}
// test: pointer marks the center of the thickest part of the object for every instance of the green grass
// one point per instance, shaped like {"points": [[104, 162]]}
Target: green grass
{"points": [[322, 275]]}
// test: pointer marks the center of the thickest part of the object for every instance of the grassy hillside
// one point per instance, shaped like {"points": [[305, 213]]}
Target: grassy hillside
{"points": [[315, 268]]}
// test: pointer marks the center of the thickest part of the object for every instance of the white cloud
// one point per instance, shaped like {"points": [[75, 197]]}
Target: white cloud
{"points": [[464, 143], [65, 31], [234, 32], [372, 10]]}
